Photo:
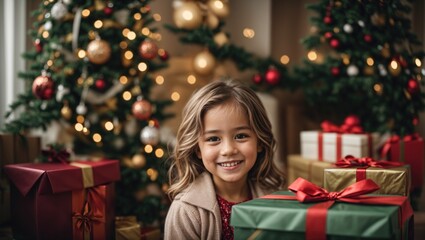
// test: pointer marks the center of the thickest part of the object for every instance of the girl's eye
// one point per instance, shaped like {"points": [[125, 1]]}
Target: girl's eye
{"points": [[241, 136], [213, 139]]}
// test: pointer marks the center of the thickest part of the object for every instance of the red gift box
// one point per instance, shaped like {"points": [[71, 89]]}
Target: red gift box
{"points": [[409, 150], [63, 201]]}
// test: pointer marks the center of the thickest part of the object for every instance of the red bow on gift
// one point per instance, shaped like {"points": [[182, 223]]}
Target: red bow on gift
{"points": [[316, 215], [395, 139], [90, 215], [61, 156], [351, 125], [351, 161]]}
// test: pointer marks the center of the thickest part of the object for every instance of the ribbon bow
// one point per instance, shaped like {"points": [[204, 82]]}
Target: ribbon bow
{"points": [[61, 156], [351, 125], [365, 162], [316, 215], [90, 214]]}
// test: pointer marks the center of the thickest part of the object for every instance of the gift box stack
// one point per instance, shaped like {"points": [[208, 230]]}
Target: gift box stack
{"points": [[321, 149], [340, 189], [63, 199], [14, 149]]}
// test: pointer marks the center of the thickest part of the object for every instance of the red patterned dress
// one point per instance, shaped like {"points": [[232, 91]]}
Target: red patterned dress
{"points": [[225, 210]]}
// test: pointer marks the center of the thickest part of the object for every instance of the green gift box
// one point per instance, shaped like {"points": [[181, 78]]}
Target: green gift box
{"points": [[286, 219]]}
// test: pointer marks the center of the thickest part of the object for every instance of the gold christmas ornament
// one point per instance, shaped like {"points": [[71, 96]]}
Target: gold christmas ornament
{"points": [[98, 51], [204, 63], [138, 161], [220, 39], [219, 7], [188, 16], [66, 112], [212, 20]]}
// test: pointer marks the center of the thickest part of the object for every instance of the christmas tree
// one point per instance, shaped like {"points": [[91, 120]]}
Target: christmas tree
{"points": [[202, 22], [363, 59], [91, 70]]}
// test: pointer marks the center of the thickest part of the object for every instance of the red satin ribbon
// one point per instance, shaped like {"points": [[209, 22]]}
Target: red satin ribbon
{"points": [[328, 126], [395, 139], [89, 213], [363, 163], [52, 155], [316, 215], [347, 127]]}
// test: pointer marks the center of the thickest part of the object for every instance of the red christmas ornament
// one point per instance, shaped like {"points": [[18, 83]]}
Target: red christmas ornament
{"points": [[257, 78], [38, 46], [415, 121], [155, 122], [148, 49], [335, 71], [401, 60], [328, 35], [327, 20], [367, 38], [334, 43], [272, 76], [141, 109], [412, 86], [100, 84], [108, 10], [352, 120], [163, 55], [43, 87]]}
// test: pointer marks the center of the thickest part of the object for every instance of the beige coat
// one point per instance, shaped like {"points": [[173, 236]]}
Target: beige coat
{"points": [[195, 214]]}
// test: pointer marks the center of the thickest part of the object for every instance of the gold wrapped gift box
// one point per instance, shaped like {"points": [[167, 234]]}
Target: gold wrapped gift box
{"points": [[393, 181], [127, 227], [306, 168]]}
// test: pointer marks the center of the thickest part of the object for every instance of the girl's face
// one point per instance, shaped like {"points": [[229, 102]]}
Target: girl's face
{"points": [[228, 146]]}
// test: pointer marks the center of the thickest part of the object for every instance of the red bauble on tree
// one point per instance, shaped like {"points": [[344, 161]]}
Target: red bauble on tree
{"points": [[163, 55], [335, 71], [148, 49], [108, 10], [334, 43], [100, 84], [328, 35], [38, 46], [141, 109], [327, 20], [257, 78], [43, 87], [367, 38], [415, 121], [272, 76], [412, 86]]}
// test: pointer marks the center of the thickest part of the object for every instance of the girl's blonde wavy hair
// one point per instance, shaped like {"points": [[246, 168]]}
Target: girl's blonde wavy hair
{"points": [[186, 166]]}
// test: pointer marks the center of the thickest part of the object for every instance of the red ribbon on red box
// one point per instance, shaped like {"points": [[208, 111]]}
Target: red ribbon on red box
{"points": [[88, 206], [395, 139], [363, 163], [316, 215]]}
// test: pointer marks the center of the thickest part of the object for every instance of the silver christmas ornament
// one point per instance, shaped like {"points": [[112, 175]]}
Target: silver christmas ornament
{"points": [[352, 70], [149, 135], [81, 109], [59, 10]]}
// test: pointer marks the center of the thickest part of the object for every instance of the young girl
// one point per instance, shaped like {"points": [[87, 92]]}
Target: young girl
{"points": [[223, 156]]}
